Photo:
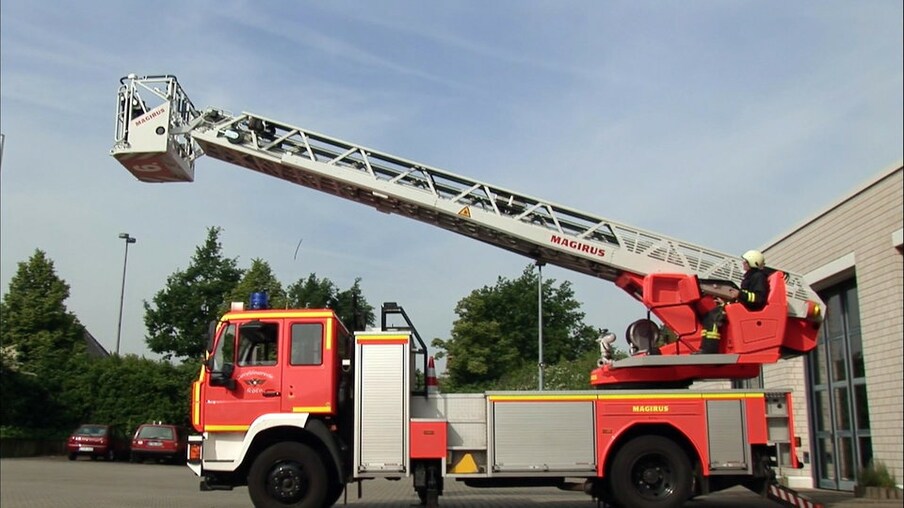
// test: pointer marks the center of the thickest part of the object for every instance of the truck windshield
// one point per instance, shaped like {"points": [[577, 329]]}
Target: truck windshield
{"points": [[225, 350]]}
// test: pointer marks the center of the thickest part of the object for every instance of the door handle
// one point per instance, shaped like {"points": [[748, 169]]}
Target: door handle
{"points": [[271, 393]]}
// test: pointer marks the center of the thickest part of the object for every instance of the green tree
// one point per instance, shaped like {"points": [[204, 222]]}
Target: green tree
{"points": [[312, 293], [353, 309], [259, 278], [178, 320], [129, 391], [496, 331], [22, 394], [43, 344], [568, 375], [350, 305]]}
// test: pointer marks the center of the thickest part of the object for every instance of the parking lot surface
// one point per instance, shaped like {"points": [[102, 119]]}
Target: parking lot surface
{"points": [[54, 482]]}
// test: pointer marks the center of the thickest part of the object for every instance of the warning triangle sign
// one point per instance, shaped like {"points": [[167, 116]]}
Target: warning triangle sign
{"points": [[465, 212]]}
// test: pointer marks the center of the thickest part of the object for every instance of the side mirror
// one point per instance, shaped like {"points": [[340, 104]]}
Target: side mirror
{"points": [[223, 377]]}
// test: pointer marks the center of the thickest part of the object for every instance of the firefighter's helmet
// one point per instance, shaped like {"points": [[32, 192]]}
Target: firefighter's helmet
{"points": [[754, 258]]}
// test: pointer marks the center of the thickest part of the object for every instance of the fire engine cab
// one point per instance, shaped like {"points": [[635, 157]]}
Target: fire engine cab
{"points": [[294, 405]]}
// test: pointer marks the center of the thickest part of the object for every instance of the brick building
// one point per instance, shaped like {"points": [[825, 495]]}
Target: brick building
{"points": [[849, 392]]}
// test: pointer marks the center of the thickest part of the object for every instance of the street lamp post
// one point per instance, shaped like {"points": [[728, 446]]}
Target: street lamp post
{"points": [[122, 292], [540, 322]]}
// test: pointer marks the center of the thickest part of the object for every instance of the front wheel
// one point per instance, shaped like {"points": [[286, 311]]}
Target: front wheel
{"points": [[288, 475], [651, 472], [335, 492]]}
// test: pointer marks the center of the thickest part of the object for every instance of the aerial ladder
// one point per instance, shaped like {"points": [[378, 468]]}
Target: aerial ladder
{"points": [[624, 443], [160, 134]]}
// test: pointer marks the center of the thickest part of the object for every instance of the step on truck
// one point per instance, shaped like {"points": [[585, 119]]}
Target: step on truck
{"points": [[294, 405]]}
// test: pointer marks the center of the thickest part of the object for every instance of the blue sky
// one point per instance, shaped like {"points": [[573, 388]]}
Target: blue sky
{"points": [[722, 123]]}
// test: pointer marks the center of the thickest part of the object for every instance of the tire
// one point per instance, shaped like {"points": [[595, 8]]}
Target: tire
{"points": [[334, 493], [111, 456], [288, 475], [651, 472], [135, 458], [73, 456]]}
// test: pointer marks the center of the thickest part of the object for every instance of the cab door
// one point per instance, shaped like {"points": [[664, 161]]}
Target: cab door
{"points": [[244, 376], [309, 375]]}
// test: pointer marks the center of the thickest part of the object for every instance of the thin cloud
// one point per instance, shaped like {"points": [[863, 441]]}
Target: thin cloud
{"points": [[656, 117], [333, 47]]}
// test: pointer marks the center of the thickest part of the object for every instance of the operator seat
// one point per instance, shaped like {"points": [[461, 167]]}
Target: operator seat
{"points": [[751, 331]]}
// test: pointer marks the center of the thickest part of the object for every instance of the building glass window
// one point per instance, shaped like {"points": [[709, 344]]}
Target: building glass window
{"points": [[837, 390]]}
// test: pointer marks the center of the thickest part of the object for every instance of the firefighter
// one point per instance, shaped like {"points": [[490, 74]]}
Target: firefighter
{"points": [[752, 295], [755, 284]]}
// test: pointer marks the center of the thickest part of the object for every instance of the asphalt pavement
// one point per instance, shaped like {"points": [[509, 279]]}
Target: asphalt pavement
{"points": [[54, 482]]}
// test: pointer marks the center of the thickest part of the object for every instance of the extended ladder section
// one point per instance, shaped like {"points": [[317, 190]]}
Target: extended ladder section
{"points": [[159, 142]]}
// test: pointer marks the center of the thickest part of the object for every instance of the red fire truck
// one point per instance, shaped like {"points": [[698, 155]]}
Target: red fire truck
{"points": [[295, 406]]}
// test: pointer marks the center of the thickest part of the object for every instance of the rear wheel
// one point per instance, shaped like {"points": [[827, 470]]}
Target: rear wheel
{"points": [[288, 475], [651, 472], [73, 456]]}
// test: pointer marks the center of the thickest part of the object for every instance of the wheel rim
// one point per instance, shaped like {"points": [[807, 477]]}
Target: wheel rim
{"points": [[652, 476], [287, 482]]}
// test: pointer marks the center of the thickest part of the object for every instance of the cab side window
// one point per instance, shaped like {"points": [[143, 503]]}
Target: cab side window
{"points": [[258, 343], [307, 344]]}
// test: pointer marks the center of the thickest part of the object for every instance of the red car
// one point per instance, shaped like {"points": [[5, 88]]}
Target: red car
{"points": [[95, 440], [159, 442]]}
